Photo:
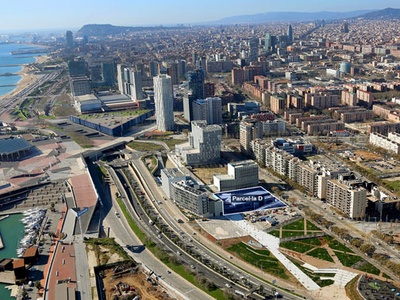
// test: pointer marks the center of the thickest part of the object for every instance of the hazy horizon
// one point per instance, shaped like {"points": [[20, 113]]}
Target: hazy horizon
{"points": [[43, 15]]}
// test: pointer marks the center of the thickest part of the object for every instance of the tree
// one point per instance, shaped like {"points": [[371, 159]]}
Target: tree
{"points": [[356, 242], [261, 289], [368, 249]]}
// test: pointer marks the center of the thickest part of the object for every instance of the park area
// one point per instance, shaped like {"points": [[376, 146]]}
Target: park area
{"points": [[320, 251]]}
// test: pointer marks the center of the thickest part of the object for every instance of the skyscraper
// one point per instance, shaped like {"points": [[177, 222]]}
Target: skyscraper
{"points": [[120, 78], [70, 39], [164, 102], [153, 68], [181, 68], [136, 85], [77, 67], [268, 41], [195, 81], [173, 72], [345, 27], [253, 50], [209, 109], [108, 73], [290, 34]]}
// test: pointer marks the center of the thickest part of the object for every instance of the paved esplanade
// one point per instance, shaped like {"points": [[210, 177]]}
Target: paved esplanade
{"points": [[272, 244]]}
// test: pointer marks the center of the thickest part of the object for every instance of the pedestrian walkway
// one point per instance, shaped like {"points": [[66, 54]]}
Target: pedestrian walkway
{"points": [[272, 244], [341, 278]]}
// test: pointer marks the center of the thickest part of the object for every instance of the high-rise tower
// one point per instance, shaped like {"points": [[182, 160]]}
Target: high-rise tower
{"points": [[70, 39], [290, 34], [195, 81], [136, 85], [164, 102], [108, 73], [268, 41]]}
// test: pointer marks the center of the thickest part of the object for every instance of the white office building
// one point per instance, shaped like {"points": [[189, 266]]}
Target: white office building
{"points": [[168, 176], [241, 174], [204, 145], [164, 102]]}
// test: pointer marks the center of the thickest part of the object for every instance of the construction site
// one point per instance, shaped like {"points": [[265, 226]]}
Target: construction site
{"points": [[127, 280]]}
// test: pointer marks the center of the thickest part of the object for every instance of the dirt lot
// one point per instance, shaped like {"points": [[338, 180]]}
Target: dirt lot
{"points": [[206, 174], [367, 155], [129, 285]]}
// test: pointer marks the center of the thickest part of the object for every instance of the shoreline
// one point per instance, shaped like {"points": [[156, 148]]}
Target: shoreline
{"points": [[27, 77]]}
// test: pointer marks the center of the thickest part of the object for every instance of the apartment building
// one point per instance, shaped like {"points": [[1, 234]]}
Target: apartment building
{"points": [[249, 129], [347, 196], [385, 142], [190, 197], [306, 176]]}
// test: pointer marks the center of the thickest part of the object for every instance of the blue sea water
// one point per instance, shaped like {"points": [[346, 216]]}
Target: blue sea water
{"points": [[12, 64], [12, 230]]}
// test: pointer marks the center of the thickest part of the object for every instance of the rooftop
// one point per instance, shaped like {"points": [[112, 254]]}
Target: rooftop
{"points": [[8, 146]]}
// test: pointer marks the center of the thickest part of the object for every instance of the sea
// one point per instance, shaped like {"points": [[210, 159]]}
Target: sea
{"points": [[12, 231], [12, 64]]}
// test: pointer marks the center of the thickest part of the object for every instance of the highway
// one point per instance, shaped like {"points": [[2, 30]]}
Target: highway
{"points": [[125, 237]]}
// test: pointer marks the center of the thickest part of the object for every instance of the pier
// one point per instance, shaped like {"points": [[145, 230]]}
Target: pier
{"points": [[7, 277]]}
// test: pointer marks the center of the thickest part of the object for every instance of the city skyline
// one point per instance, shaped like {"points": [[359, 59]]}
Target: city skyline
{"points": [[42, 14]]}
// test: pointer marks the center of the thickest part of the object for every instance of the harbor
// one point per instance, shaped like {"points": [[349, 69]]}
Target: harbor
{"points": [[10, 239]]}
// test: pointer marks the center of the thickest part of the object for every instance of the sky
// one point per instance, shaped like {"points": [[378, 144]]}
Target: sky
{"points": [[72, 14]]}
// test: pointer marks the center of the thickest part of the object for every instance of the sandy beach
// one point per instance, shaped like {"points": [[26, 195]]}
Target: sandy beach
{"points": [[28, 77]]}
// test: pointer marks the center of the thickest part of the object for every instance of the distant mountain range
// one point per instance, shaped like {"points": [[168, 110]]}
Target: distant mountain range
{"points": [[290, 17], [384, 14], [108, 29]]}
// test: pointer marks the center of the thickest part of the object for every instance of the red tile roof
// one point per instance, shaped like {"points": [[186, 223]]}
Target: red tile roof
{"points": [[84, 193]]}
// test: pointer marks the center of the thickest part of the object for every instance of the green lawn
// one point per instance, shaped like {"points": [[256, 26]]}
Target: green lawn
{"points": [[311, 226], [321, 253], [328, 238], [296, 246], [173, 142], [262, 259], [367, 267], [296, 225], [347, 259], [336, 245], [274, 233], [312, 241], [145, 146], [286, 234], [393, 185]]}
